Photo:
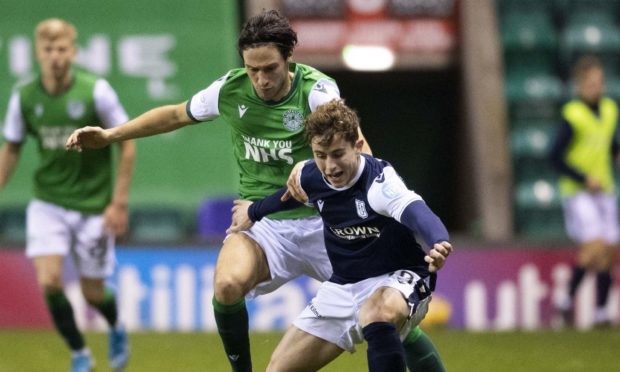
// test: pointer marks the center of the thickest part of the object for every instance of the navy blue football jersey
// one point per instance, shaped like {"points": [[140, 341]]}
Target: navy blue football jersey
{"points": [[363, 235]]}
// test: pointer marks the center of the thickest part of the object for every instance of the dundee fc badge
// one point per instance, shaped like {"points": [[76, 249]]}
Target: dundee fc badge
{"points": [[292, 120]]}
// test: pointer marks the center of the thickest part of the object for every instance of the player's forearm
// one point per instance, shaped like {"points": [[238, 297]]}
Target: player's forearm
{"points": [[418, 217], [158, 120], [271, 204], [124, 173], [9, 155]]}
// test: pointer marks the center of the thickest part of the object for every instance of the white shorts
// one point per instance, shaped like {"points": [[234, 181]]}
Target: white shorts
{"points": [[591, 217], [54, 230], [293, 248], [333, 314]]}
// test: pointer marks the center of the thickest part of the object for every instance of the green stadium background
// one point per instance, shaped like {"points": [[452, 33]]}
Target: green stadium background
{"points": [[153, 52]]}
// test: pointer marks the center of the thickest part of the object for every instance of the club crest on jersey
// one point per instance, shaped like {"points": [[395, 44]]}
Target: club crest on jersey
{"points": [[38, 110], [75, 109], [292, 120], [361, 208]]}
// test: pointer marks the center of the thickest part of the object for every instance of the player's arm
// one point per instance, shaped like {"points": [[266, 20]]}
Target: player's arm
{"points": [[245, 212], [389, 196], [158, 120], [116, 214], [9, 155], [14, 134]]}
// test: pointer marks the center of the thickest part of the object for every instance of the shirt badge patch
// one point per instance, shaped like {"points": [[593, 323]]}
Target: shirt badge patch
{"points": [[319, 203], [361, 208], [75, 109], [38, 110], [292, 120]]}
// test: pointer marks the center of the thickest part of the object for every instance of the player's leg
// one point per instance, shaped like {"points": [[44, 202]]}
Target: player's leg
{"points": [[380, 317], [49, 240], [420, 353], [240, 266], [49, 278], [94, 257], [301, 351]]}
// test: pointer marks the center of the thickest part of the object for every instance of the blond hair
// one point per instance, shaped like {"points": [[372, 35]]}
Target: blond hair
{"points": [[55, 28]]}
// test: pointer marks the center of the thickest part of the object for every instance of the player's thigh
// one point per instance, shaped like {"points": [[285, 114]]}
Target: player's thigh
{"points": [[301, 351], [47, 229], [385, 304], [49, 271], [240, 263]]}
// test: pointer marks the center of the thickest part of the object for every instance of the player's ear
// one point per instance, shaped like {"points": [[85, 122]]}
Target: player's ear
{"points": [[359, 145]]}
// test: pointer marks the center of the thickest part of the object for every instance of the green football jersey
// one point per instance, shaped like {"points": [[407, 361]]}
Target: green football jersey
{"points": [[267, 137], [77, 181]]}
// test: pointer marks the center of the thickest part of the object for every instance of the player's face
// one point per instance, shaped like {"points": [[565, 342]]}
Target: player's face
{"points": [[591, 85], [338, 161], [268, 72], [55, 57]]}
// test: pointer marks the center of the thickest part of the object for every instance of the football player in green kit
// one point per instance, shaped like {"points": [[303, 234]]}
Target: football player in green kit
{"points": [[75, 209], [265, 104]]}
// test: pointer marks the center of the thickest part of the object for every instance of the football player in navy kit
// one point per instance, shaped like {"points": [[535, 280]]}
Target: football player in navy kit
{"points": [[382, 277]]}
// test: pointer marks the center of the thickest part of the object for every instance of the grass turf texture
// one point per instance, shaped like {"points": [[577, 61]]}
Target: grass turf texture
{"points": [[547, 351]]}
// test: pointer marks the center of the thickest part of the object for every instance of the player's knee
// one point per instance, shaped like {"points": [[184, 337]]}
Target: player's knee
{"points": [[378, 313], [50, 281], [228, 289]]}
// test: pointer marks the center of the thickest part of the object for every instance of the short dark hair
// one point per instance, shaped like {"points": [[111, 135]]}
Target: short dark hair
{"points": [[584, 64], [268, 27], [331, 119]]}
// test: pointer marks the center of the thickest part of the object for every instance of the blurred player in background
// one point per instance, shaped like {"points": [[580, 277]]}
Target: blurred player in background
{"points": [[75, 209], [382, 281], [265, 104], [584, 153]]}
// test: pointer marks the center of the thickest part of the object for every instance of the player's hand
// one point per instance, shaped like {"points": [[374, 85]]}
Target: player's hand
{"points": [[87, 137], [116, 219], [240, 219], [593, 185], [293, 185], [437, 256]]}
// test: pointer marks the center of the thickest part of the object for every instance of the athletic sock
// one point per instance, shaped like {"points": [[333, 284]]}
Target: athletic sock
{"points": [[420, 353], [603, 284], [107, 307], [232, 325], [62, 315], [385, 351], [575, 280]]}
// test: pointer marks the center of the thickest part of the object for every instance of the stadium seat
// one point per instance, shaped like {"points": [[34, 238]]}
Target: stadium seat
{"points": [[13, 224], [528, 31], [214, 217], [538, 213], [157, 225], [590, 32], [531, 139]]}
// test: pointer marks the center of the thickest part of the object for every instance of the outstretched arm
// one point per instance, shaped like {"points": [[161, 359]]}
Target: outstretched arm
{"points": [[245, 212], [158, 120]]}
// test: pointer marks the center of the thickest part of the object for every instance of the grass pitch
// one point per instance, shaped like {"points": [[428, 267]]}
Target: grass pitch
{"points": [[546, 351]]}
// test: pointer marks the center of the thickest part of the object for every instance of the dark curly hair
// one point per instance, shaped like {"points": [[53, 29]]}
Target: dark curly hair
{"points": [[268, 27]]}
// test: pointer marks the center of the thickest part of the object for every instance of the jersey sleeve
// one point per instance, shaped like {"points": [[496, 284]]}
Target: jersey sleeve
{"points": [[108, 106], [203, 106], [322, 92], [14, 126], [389, 196]]}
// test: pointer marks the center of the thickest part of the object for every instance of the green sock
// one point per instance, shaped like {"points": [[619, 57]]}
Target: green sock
{"points": [[420, 353], [62, 315], [107, 307], [233, 327]]}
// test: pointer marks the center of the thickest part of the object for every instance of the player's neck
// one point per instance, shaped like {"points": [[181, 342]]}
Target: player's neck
{"points": [[55, 86]]}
